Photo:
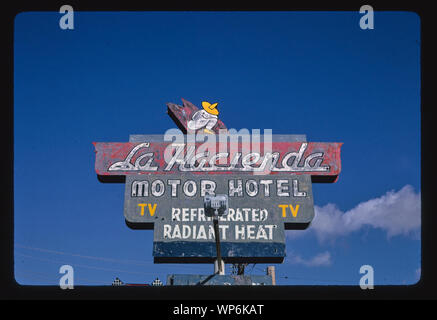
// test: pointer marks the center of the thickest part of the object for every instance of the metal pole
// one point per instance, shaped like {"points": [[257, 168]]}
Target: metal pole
{"points": [[271, 272], [217, 244]]}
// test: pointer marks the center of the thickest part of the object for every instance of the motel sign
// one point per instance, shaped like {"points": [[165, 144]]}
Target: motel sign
{"points": [[267, 179]]}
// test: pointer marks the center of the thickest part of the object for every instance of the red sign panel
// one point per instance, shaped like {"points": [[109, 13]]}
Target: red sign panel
{"points": [[311, 158]]}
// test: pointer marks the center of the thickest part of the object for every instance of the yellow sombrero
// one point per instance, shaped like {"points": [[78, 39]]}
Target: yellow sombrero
{"points": [[210, 108]]}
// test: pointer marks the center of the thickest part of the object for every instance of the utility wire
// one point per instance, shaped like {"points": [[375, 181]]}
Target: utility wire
{"points": [[139, 263], [133, 262], [312, 279], [85, 266], [46, 276], [122, 261]]}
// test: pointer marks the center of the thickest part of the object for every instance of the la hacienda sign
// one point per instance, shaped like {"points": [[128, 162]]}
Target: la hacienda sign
{"points": [[267, 179]]}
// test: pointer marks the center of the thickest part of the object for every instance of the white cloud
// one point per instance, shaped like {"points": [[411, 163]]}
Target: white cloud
{"points": [[321, 259], [398, 213]]}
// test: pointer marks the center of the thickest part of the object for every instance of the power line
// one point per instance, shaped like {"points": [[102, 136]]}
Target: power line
{"points": [[47, 276], [254, 267], [258, 268], [104, 259], [85, 266], [312, 279], [133, 262]]}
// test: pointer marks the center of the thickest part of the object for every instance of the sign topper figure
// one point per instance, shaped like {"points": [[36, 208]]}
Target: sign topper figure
{"points": [[206, 118], [269, 188]]}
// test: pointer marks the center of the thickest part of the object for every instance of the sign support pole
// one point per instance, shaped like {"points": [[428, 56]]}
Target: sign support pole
{"points": [[218, 268]]}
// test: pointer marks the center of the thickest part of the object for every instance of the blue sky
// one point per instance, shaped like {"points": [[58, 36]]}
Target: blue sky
{"points": [[313, 73]]}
